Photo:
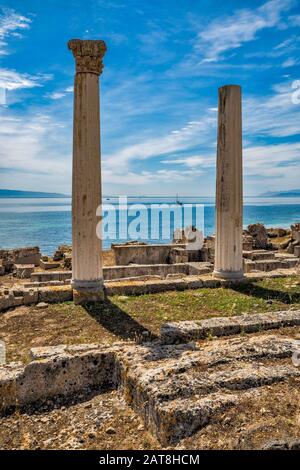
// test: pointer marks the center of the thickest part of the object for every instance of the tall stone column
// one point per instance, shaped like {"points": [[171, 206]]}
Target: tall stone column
{"points": [[87, 274], [229, 190]]}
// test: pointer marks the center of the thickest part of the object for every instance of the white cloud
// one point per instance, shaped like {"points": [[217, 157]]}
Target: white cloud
{"points": [[270, 160], [12, 80], [289, 62], [228, 33], [33, 146], [272, 115], [193, 161], [275, 115], [272, 167], [193, 133], [149, 177], [56, 95], [10, 21], [294, 20]]}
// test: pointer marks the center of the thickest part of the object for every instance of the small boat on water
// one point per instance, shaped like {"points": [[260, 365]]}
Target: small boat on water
{"points": [[177, 200]]}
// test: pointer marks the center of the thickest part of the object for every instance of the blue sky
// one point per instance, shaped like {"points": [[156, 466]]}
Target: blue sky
{"points": [[164, 64]]}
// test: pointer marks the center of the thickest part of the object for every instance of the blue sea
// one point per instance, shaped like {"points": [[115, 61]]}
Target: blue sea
{"points": [[46, 222]]}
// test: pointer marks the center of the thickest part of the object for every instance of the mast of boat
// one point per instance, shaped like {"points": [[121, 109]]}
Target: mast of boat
{"points": [[177, 200]]}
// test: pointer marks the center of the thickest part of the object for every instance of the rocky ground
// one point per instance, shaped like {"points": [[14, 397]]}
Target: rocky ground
{"points": [[268, 417], [106, 422]]}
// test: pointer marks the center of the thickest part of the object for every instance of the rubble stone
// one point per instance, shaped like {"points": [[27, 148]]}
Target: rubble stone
{"points": [[259, 234]]}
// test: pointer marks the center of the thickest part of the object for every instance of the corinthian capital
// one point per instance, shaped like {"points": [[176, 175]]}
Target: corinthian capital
{"points": [[88, 55]]}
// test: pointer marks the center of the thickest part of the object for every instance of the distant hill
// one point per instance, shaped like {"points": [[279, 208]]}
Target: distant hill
{"points": [[290, 193], [23, 194]]}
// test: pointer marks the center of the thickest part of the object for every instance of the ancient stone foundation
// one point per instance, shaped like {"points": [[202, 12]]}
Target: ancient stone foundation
{"points": [[176, 389]]}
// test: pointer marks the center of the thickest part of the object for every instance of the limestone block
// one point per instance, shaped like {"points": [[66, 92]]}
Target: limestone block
{"points": [[49, 264], [55, 294], [296, 236], [297, 251], [30, 297], [259, 234], [185, 331], [61, 374], [178, 255], [23, 271]]}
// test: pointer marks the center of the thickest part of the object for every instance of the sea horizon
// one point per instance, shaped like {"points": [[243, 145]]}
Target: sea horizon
{"points": [[46, 222]]}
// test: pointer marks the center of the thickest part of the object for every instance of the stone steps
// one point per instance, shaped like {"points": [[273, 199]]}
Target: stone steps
{"points": [[269, 264], [184, 331], [51, 276], [255, 255], [177, 390]]}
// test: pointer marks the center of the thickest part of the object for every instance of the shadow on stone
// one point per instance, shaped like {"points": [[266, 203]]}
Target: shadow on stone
{"points": [[51, 403], [118, 322]]}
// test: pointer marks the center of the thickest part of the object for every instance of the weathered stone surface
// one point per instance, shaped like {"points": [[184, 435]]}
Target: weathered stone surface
{"points": [[247, 242], [59, 374], [272, 264], [54, 276], [55, 294], [176, 389], [297, 251], [87, 277], [62, 252], [198, 268], [184, 331], [229, 185], [45, 264], [207, 252], [137, 270], [259, 234], [28, 255], [142, 254], [42, 305], [30, 296], [23, 271], [256, 255], [2, 268], [281, 445], [178, 255]]}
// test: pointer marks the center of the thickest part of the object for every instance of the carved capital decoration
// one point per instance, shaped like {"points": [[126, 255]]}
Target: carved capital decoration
{"points": [[88, 55]]}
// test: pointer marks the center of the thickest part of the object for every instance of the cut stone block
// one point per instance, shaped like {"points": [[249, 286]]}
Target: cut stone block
{"points": [[54, 276], [62, 374], [269, 264], [23, 271], [185, 331], [178, 389], [178, 255], [198, 268], [297, 251], [49, 264], [256, 255]]}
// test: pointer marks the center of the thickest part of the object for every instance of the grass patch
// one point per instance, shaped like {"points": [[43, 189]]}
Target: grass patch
{"points": [[126, 318]]}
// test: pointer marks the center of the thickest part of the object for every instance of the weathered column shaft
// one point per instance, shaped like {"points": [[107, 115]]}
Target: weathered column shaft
{"points": [[229, 187], [87, 276]]}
